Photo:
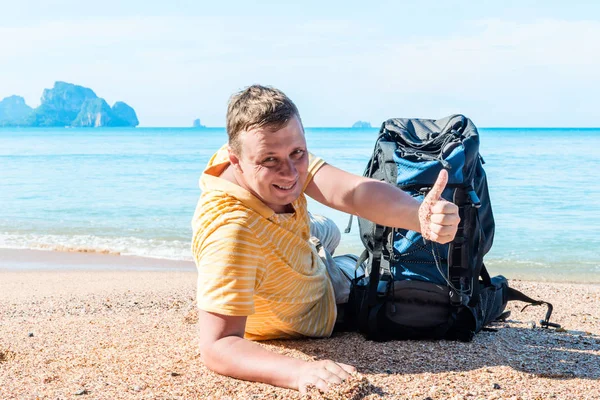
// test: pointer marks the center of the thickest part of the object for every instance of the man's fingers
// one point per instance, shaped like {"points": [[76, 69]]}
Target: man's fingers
{"points": [[329, 376], [348, 368], [337, 369], [340, 369], [302, 389], [441, 239], [323, 374], [438, 218], [438, 187], [443, 230], [321, 384], [442, 233], [444, 207], [316, 382], [445, 219]]}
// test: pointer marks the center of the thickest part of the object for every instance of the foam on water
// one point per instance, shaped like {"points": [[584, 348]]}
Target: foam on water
{"points": [[127, 246]]}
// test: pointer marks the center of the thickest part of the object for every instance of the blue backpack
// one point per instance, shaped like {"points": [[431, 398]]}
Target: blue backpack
{"points": [[414, 288]]}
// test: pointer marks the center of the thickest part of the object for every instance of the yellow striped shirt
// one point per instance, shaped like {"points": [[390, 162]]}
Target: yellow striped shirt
{"points": [[256, 263]]}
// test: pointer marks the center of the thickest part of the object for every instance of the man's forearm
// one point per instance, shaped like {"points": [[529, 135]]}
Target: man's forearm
{"points": [[386, 205], [242, 359]]}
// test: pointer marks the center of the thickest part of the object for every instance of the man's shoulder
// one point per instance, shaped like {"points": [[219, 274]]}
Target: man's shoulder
{"points": [[222, 208], [215, 223]]}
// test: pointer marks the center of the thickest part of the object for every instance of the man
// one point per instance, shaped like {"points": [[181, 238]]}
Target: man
{"points": [[259, 275]]}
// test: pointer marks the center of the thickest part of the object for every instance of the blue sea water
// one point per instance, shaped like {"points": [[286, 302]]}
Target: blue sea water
{"points": [[133, 191]]}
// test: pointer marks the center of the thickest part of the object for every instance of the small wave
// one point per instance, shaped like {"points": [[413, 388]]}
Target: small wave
{"points": [[67, 249], [129, 246]]}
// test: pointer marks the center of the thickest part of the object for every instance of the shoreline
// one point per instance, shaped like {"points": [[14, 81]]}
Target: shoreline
{"points": [[39, 260], [51, 259]]}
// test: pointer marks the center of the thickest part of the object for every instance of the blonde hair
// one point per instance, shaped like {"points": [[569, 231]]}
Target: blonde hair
{"points": [[257, 107]]}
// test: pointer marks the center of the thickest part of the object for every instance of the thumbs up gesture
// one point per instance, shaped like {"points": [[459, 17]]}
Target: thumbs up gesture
{"points": [[438, 218]]}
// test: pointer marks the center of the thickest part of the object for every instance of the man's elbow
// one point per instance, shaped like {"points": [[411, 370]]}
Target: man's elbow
{"points": [[206, 346], [213, 353], [208, 358], [216, 335]]}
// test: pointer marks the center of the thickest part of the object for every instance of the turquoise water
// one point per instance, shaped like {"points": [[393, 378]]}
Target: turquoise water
{"points": [[133, 191]]}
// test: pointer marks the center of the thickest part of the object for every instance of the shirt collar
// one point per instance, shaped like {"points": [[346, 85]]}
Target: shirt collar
{"points": [[211, 180]]}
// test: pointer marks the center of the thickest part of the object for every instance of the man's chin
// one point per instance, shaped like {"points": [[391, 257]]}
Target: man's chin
{"points": [[288, 199], [285, 199]]}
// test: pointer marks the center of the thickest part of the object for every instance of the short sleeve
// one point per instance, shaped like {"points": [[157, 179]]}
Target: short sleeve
{"points": [[229, 266], [314, 163]]}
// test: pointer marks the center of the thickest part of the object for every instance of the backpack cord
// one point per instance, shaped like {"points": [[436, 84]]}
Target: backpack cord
{"points": [[436, 258]]}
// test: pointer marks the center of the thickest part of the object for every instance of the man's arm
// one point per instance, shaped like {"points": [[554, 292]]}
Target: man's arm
{"points": [[385, 204], [229, 264], [225, 351]]}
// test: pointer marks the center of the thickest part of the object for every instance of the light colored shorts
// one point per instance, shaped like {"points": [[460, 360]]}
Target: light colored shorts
{"points": [[325, 235]]}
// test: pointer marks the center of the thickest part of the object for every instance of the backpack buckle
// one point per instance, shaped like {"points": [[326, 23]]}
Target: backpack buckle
{"points": [[544, 323], [458, 299], [475, 202]]}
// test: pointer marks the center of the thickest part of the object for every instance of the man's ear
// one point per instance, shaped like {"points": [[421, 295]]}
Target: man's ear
{"points": [[233, 158]]}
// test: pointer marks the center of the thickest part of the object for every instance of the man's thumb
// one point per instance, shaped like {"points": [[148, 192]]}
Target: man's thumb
{"points": [[438, 187]]}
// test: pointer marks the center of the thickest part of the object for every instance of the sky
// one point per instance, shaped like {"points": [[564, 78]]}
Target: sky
{"points": [[502, 64]]}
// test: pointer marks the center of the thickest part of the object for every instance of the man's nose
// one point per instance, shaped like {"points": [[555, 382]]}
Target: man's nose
{"points": [[289, 169]]}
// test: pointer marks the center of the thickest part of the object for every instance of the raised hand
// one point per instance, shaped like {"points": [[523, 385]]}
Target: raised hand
{"points": [[322, 374], [438, 218]]}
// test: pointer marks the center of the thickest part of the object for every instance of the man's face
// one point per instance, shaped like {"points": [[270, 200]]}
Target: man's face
{"points": [[273, 165]]}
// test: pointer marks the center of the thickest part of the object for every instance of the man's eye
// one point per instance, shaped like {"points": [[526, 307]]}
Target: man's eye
{"points": [[270, 161], [298, 154]]}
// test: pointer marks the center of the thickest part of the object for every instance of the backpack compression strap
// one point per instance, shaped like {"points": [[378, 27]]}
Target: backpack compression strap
{"points": [[514, 294], [370, 307]]}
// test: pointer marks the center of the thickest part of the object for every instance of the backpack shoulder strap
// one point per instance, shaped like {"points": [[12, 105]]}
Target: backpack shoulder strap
{"points": [[390, 169], [388, 165]]}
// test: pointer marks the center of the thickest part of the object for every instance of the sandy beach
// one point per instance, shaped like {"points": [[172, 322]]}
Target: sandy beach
{"points": [[95, 326]]}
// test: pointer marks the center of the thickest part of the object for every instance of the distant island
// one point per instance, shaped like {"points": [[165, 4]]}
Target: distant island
{"points": [[361, 124], [198, 124], [67, 105]]}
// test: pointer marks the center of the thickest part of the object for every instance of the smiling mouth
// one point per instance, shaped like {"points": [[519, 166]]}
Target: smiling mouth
{"points": [[290, 187]]}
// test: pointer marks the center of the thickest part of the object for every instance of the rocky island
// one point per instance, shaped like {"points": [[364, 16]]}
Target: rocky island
{"points": [[361, 125], [198, 124], [13, 111], [67, 105]]}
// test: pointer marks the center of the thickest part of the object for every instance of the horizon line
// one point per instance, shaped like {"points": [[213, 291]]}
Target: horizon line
{"points": [[306, 127]]}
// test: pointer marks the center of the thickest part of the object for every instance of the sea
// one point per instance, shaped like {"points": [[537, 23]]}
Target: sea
{"points": [[134, 191]]}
